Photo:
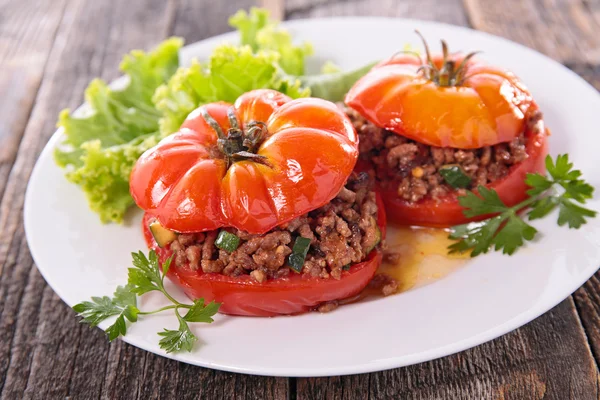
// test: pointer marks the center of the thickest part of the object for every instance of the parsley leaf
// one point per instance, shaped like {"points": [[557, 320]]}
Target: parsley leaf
{"points": [[542, 207], [146, 275], [538, 184], [504, 229], [122, 304], [487, 202], [124, 297], [561, 169], [181, 339], [97, 310], [478, 237], [513, 234], [199, 312], [117, 329], [578, 190], [572, 214]]}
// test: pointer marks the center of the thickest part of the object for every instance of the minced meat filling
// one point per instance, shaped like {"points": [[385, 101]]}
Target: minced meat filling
{"points": [[413, 168], [341, 233]]}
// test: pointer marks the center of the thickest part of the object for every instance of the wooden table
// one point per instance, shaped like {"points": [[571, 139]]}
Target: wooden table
{"points": [[51, 49]]}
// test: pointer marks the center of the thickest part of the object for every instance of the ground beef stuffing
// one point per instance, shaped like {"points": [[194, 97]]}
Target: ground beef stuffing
{"points": [[328, 306], [384, 283], [342, 232], [413, 168]]}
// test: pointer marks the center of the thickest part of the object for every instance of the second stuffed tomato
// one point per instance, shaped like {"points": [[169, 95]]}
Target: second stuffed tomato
{"points": [[258, 205], [433, 127]]}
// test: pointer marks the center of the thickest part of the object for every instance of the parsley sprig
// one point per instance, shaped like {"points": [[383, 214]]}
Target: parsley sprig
{"points": [[507, 230], [145, 276]]}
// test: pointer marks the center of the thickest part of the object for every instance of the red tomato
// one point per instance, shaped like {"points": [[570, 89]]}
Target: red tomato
{"points": [[285, 158], [290, 295], [447, 212], [471, 107]]}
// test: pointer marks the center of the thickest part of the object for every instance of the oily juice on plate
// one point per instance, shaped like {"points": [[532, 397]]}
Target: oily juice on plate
{"points": [[423, 256], [423, 259]]}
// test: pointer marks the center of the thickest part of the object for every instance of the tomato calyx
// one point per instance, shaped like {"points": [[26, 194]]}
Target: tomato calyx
{"points": [[238, 144], [450, 74]]}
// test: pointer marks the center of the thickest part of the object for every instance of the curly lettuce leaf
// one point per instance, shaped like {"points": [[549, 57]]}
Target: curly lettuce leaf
{"points": [[102, 143], [104, 174], [259, 32], [249, 24], [330, 68], [279, 40], [230, 72]]}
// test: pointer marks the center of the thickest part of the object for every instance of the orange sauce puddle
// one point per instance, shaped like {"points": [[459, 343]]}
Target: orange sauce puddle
{"points": [[423, 259]]}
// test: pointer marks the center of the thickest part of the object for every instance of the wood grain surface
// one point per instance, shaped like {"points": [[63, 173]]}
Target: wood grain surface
{"points": [[51, 49]]}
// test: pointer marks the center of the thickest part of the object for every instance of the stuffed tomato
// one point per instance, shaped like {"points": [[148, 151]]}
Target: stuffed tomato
{"points": [[433, 127], [259, 208]]}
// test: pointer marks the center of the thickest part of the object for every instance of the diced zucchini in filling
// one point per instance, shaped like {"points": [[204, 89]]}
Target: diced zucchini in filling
{"points": [[162, 235], [378, 235]]}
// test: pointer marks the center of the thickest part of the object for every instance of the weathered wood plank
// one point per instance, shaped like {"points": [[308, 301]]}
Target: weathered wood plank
{"points": [[197, 20], [449, 11], [41, 338], [27, 31], [589, 72], [275, 7], [587, 299], [565, 30], [26, 34], [547, 358]]}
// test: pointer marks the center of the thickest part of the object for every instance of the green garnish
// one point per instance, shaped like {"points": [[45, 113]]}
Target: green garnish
{"points": [[455, 176], [333, 86], [261, 33], [299, 251], [102, 145], [147, 275], [507, 230], [227, 241], [123, 303]]}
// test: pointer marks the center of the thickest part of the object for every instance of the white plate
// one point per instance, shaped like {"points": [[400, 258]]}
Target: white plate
{"points": [[492, 295]]}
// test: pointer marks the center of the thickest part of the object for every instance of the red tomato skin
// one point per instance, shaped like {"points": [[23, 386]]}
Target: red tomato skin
{"points": [[488, 108], [448, 212], [310, 148], [294, 294]]}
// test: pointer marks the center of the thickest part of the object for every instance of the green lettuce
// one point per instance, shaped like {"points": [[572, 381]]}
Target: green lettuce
{"points": [[230, 72], [249, 24], [102, 143], [266, 58], [259, 32], [330, 68]]}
